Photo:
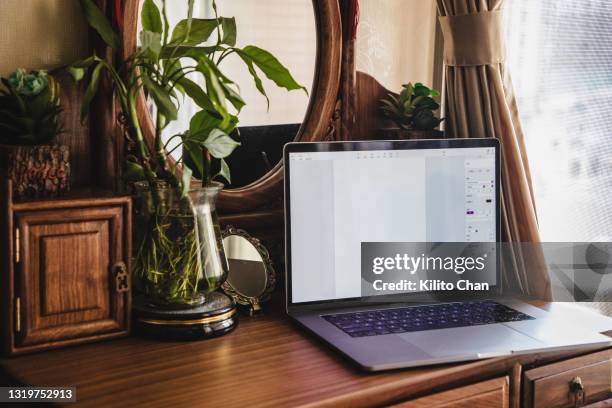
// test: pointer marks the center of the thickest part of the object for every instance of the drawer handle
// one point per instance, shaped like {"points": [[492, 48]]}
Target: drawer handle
{"points": [[122, 281], [577, 390]]}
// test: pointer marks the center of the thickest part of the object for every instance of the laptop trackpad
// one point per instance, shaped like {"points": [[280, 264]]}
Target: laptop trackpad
{"points": [[474, 340]]}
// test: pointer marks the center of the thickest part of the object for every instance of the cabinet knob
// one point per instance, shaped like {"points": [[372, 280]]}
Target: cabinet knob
{"points": [[122, 279], [577, 390]]}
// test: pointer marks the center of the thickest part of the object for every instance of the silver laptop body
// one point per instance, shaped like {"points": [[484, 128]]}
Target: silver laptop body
{"points": [[339, 194]]}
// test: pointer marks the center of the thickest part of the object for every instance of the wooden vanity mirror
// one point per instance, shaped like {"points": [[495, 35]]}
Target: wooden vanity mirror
{"points": [[316, 66]]}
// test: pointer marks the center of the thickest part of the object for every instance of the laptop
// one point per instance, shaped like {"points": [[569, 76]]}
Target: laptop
{"points": [[342, 197]]}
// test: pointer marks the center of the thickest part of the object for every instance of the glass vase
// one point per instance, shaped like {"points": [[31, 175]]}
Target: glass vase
{"points": [[179, 254]]}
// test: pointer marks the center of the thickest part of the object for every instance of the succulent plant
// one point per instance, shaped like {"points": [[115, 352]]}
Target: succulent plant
{"points": [[29, 108], [413, 108]]}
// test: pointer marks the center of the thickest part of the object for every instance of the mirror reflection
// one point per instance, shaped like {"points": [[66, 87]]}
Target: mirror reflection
{"points": [[285, 28], [247, 269]]}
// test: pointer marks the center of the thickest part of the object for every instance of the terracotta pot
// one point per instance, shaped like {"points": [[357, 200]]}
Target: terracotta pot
{"points": [[412, 134], [36, 171]]}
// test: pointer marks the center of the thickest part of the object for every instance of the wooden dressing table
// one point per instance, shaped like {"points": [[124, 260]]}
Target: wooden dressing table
{"points": [[268, 361]]}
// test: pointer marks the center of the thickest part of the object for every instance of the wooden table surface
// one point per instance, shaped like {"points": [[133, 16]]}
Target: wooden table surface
{"points": [[266, 361]]}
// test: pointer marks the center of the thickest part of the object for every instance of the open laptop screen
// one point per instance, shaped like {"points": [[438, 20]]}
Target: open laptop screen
{"points": [[339, 199]]}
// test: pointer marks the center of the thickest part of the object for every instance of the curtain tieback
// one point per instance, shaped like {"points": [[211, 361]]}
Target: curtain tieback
{"points": [[473, 39]]}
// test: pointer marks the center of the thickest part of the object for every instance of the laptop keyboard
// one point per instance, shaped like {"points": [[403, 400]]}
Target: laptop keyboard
{"points": [[424, 317]]}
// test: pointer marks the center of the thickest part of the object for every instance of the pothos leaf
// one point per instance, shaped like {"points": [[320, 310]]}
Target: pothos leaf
{"points": [[219, 144], [224, 171]]}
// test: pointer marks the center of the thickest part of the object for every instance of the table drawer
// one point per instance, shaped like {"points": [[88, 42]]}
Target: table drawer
{"points": [[575, 382], [486, 394]]}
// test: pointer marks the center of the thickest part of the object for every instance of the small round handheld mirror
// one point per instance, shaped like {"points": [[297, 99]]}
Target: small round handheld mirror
{"points": [[251, 277]]}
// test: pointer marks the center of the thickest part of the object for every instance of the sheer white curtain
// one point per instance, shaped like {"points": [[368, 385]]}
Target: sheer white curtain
{"points": [[560, 56]]}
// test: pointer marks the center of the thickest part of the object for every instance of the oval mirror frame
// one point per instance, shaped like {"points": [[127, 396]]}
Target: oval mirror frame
{"points": [[319, 114], [270, 282]]}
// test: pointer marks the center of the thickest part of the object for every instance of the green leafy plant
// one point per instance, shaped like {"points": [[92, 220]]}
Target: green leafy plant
{"points": [[413, 108], [29, 108], [169, 64], [164, 65]]}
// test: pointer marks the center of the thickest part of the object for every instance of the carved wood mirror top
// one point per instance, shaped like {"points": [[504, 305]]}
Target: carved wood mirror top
{"points": [[318, 113]]}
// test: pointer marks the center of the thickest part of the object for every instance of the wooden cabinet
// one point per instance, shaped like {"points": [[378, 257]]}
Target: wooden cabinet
{"points": [[68, 273], [574, 382], [486, 394]]}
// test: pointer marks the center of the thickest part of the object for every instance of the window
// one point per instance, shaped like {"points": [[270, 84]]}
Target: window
{"points": [[560, 60]]}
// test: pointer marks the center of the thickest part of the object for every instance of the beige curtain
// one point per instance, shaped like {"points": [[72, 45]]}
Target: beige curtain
{"points": [[479, 102]]}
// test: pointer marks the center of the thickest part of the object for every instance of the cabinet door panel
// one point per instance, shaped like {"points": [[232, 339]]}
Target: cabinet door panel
{"points": [[65, 280]]}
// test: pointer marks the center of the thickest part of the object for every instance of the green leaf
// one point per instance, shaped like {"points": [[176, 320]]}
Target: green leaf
{"points": [[215, 91], [174, 51], [271, 67], [219, 144], [194, 150], [229, 31], [15, 95], [224, 171], [406, 93], [200, 31], [388, 105], [77, 73], [85, 63], [185, 180], [258, 83], [204, 121], [134, 171], [151, 17], [98, 21], [434, 93], [414, 102], [196, 93], [233, 96], [150, 42], [421, 90], [162, 99], [427, 103], [91, 91], [166, 23]]}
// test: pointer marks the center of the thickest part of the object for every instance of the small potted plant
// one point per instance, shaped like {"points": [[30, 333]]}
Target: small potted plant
{"points": [[29, 123], [413, 111]]}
